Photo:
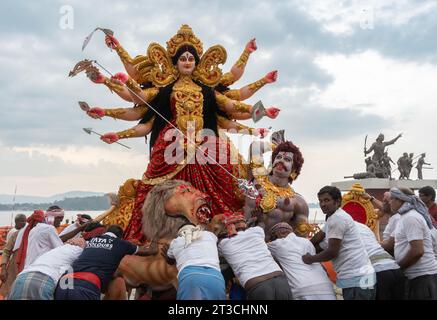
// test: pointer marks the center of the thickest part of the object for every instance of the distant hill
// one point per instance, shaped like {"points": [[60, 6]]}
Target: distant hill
{"points": [[72, 200], [84, 203], [8, 198]]}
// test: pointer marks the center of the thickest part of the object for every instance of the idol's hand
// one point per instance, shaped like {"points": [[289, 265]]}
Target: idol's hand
{"points": [[95, 76], [120, 78], [271, 76], [111, 42], [96, 113], [272, 112], [110, 137], [251, 45]]}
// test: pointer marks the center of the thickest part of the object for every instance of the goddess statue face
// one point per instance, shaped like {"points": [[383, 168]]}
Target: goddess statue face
{"points": [[283, 164], [186, 63]]}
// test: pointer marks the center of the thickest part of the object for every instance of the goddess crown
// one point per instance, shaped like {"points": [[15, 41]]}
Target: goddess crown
{"points": [[184, 36]]}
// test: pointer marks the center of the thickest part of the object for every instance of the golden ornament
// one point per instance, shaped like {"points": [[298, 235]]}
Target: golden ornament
{"points": [[272, 193]]}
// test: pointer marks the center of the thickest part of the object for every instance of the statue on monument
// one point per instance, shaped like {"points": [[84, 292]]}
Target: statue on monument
{"points": [[378, 165], [410, 164], [420, 163], [403, 166], [378, 147], [385, 161], [371, 167], [380, 157]]}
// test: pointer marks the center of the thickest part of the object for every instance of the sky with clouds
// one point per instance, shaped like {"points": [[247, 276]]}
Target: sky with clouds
{"points": [[346, 69]]}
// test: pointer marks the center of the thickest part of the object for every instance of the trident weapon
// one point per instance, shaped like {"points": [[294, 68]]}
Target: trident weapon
{"points": [[248, 189], [90, 130]]}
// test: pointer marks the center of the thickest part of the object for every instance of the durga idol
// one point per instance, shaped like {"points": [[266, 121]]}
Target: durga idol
{"points": [[174, 90]]}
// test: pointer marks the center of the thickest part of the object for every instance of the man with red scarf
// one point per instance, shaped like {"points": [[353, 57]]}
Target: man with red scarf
{"points": [[34, 240]]}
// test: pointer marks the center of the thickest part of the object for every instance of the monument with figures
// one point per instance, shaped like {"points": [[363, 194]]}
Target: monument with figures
{"points": [[379, 176]]}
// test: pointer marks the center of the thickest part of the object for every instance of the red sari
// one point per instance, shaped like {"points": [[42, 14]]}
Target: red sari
{"points": [[212, 179]]}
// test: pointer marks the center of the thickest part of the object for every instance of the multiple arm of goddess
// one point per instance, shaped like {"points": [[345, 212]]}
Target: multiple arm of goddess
{"points": [[228, 124], [228, 101], [140, 130]]}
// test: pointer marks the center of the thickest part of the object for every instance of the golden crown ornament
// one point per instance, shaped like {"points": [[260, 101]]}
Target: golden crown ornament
{"points": [[184, 36]]}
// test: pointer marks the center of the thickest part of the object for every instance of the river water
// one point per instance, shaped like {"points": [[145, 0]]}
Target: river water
{"points": [[7, 217]]}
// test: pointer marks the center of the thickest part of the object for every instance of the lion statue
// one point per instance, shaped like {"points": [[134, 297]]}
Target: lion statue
{"points": [[167, 207]]}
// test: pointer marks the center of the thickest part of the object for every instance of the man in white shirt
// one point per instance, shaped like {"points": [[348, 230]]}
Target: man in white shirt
{"points": [[196, 256], [413, 246], [355, 274], [41, 238], [307, 282], [247, 253], [390, 228], [38, 280], [390, 280], [20, 222]]}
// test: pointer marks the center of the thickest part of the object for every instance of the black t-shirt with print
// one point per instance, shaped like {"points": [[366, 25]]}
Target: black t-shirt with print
{"points": [[102, 256]]}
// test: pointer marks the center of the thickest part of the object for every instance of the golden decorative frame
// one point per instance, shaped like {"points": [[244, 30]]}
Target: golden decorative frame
{"points": [[355, 194], [207, 71]]}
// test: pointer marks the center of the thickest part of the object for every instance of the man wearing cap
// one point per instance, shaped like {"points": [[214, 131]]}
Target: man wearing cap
{"points": [[307, 282], [413, 247]]}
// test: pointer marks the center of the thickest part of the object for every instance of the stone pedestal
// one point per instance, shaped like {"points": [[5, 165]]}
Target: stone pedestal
{"points": [[376, 187]]}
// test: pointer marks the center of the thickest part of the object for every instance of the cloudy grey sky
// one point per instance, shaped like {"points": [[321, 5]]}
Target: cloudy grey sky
{"points": [[346, 69]]}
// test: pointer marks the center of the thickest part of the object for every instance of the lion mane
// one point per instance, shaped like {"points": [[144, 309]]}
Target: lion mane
{"points": [[156, 223]]}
